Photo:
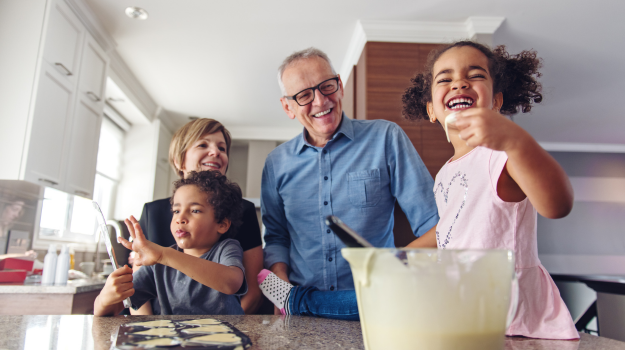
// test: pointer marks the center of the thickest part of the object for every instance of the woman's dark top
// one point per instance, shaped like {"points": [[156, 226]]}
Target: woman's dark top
{"points": [[156, 220]]}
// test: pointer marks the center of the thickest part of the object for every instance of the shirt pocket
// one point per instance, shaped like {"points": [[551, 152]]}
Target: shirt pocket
{"points": [[364, 187]]}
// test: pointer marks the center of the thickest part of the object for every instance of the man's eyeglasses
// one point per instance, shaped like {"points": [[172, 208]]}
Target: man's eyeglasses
{"points": [[326, 87]]}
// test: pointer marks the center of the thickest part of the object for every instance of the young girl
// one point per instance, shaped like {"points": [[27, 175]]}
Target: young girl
{"points": [[488, 193]]}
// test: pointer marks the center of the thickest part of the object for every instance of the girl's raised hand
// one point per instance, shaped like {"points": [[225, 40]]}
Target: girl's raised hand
{"points": [[487, 128], [146, 252]]}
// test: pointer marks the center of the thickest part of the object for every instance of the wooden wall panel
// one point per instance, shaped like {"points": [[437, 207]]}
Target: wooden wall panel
{"points": [[388, 68]]}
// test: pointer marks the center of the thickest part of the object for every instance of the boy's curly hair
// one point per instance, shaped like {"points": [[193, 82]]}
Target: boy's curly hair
{"points": [[513, 75], [223, 195]]}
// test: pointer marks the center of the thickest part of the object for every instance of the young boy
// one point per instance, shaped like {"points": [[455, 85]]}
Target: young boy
{"points": [[202, 273]]}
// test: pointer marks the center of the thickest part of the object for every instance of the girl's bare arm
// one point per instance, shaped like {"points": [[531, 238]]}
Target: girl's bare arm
{"points": [[535, 172], [540, 177], [427, 240]]}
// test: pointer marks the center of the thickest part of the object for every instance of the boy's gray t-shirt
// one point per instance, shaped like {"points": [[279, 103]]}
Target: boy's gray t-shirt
{"points": [[179, 294]]}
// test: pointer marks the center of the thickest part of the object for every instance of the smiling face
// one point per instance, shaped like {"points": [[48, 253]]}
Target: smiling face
{"points": [[460, 80], [322, 117], [193, 224], [207, 153]]}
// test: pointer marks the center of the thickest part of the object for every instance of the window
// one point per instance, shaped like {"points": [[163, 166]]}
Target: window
{"points": [[69, 218]]}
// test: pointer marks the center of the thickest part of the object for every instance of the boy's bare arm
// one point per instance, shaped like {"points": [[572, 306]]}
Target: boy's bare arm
{"points": [[427, 240], [225, 279]]}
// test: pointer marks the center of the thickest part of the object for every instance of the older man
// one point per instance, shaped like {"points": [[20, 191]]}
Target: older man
{"points": [[354, 169]]}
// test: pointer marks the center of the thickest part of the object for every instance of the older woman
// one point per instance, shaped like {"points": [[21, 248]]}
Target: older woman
{"points": [[204, 144]]}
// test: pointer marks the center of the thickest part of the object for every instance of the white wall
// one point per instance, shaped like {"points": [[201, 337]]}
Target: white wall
{"points": [[237, 165], [139, 168], [21, 25], [591, 239], [257, 153]]}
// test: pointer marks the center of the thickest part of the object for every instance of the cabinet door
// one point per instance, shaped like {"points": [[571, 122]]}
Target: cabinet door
{"points": [[63, 39], [93, 68], [83, 151], [44, 156]]}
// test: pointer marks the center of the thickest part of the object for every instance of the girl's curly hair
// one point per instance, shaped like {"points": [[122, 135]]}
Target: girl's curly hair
{"points": [[223, 195], [513, 75]]}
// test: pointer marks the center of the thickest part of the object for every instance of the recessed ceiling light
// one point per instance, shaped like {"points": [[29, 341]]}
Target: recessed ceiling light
{"points": [[136, 13]]}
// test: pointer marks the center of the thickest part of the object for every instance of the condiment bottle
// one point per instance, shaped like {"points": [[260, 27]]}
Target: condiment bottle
{"points": [[72, 261], [49, 266], [62, 267]]}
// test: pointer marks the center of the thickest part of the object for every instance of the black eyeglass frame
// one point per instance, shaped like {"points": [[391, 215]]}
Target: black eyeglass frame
{"points": [[338, 86]]}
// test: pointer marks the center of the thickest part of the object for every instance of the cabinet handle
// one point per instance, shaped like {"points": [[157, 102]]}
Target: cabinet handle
{"points": [[67, 71], [48, 181], [93, 96], [83, 193]]}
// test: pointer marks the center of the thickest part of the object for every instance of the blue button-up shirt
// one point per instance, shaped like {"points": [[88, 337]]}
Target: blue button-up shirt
{"points": [[357, 176]]}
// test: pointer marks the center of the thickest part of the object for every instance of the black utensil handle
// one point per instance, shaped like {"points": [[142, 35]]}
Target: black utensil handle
{"points": [[346, 234]]}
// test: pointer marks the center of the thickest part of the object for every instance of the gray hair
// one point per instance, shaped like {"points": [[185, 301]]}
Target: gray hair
{"points": [[300, 55]]}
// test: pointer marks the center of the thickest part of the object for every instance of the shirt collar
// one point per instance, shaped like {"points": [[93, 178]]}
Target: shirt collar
{"points": [[346, 128]]}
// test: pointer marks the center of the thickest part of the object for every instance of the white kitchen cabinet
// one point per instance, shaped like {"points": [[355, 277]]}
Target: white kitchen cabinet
{"points": [[45, 163], [85, 132], [63, 40], [82, 155], [52, 124], [93, 69]]}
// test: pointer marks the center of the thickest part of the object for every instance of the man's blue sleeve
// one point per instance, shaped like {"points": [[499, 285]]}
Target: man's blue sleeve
{"points": [[277, 238], [411, 183]]}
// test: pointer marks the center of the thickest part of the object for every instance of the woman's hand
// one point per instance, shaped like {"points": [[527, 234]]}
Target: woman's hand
{"points": [[146, 252], [487, 128]]}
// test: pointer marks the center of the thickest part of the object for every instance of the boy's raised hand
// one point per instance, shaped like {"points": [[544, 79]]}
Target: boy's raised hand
{"points": [[118, 287], [146, 252]]}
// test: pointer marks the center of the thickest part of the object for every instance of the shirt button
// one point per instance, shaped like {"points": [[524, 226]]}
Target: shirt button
{"points": [[328, 231], [325, 203], [331, 287], [325, 177], [324, 151], [330, 259]]}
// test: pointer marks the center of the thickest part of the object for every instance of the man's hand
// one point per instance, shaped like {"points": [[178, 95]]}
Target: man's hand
{"points": [[117, 288], [146, 252]]}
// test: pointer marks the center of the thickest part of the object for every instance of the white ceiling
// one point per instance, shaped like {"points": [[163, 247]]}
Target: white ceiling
{"points": [[218, 59]]}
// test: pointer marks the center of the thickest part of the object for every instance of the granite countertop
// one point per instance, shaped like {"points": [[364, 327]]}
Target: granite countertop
{"points": [[72, 287], [265, 331]]}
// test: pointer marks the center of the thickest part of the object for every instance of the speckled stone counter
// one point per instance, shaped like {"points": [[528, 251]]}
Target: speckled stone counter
{"points": [[72, 287], [34, 299], [266, 332]]}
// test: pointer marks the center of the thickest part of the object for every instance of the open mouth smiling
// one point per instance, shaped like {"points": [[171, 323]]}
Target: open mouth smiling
{"points": [[459, 103], [321, 114], [212, 165]]}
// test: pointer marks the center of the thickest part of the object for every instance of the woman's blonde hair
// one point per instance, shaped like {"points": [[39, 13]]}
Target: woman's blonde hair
{"points": [[188, 135]]}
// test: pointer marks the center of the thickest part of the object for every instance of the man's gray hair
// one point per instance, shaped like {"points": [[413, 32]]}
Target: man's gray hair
{"points": [[300, 55]]}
